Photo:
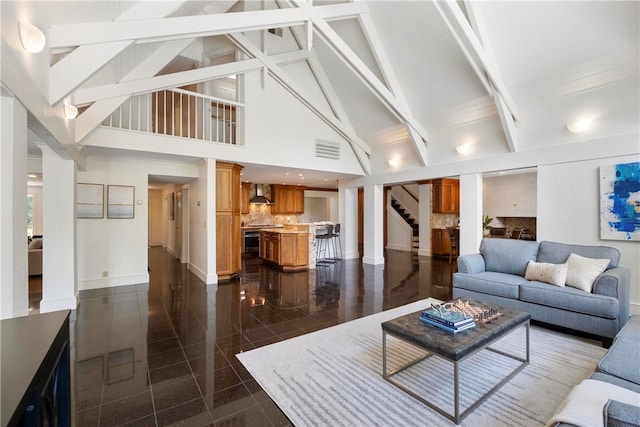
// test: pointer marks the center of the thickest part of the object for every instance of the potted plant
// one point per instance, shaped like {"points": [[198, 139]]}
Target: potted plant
{"points": [[485, 224]]}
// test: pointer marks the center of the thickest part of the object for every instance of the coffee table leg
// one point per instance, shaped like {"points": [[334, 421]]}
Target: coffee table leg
{"points": [[384, 354], [456, 392]]}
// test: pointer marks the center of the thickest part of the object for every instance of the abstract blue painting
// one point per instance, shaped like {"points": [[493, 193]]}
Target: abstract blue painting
{"points": [[620, 202]]}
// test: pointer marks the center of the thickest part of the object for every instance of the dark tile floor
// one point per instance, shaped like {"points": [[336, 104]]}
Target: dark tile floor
{"points": [[163, 353]]}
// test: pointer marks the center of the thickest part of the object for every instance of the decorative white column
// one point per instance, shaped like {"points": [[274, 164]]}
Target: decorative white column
{"points": [[424, 196], [470, 213], [373, 289], [59, 284], [14, 284], [373, 225], [349, 222], [210, 222]]}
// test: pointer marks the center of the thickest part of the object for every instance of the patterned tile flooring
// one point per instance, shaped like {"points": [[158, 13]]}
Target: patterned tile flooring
{"points": [[163, 353]]}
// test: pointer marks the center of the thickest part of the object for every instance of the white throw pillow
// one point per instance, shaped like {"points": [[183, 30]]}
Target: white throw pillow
{"points": [[554, 274], [584, 271]]}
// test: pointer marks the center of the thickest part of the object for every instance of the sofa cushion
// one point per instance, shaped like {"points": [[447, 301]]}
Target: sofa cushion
{"points": [[567, 298], [622, 360], [582, 271], [601, 376], [554, 274], [557, 253], [489, 282], [619, 414], [508, 256], [631, 330]]}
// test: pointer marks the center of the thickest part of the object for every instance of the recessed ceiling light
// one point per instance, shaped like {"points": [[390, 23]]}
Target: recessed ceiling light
{"points": [[32, 175], [393, 162], [579, 125], [286, 173]]}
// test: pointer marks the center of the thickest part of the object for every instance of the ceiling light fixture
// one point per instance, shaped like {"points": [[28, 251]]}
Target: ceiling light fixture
{"points": [[579, 125], [394, 161], [463, 148], [32, 38], [70, 111]]}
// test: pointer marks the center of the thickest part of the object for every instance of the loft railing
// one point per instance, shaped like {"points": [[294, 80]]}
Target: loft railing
{"points": [[180, 113]]}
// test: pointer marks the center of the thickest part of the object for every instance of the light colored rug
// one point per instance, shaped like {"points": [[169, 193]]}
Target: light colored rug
{"points": [[333, 377]]}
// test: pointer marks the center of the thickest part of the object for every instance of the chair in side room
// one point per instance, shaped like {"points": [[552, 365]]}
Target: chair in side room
{"points": [[516, 233], [454, 236]]}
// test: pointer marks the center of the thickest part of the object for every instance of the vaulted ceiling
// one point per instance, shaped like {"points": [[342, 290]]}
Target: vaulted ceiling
{"points": [[412, 77]]}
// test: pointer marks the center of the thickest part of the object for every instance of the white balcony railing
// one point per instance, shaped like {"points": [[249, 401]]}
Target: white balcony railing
{"points": [[180, 113]]}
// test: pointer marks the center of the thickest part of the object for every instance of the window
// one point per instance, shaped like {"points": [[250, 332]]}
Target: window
{"points": [[31, 211]]}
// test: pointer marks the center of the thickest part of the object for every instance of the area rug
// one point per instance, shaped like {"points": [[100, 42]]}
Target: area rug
{"points": [[333, 377]]}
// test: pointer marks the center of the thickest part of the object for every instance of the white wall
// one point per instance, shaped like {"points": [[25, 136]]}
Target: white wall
{"points": [[119, 246], [511, 195], [398, 231], [330, 208], [569, 211]]}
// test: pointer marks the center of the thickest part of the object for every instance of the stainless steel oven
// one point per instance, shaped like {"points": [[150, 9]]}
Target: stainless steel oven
{"points": [[251, 241]]}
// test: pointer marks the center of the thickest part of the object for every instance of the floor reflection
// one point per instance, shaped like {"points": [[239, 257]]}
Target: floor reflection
{"points": [[163, 353]]}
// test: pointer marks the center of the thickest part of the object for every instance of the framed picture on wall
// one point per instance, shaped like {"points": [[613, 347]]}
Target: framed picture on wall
{"points": [[89, 200], [620, 202], [120, 201]]}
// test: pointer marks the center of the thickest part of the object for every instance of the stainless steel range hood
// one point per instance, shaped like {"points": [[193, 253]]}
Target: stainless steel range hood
{"points": [[260, 198]]}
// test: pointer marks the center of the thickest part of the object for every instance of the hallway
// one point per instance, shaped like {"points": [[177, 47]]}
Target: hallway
{"points": [[163, 353]]}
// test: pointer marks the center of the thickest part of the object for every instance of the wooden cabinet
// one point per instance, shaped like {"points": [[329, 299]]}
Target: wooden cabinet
{"points": [[287, 199], [228, 235], [245, 192], [446, 195], [440, 243], [290, 251]]}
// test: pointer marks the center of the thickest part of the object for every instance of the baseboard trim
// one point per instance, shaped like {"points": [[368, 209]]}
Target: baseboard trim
{"points": [[399, 247], [372, 260], [209, 279], [109, 282], [424, 252], [49, 305]]}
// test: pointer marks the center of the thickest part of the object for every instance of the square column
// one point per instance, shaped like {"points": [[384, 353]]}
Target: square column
{"points": [[470, 213], [59, 281], [14, 284], [349, 222], [424, 197], [373, 225]]}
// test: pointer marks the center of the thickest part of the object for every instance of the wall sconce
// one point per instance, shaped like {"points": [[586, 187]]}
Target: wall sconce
{"points": [[579, 125], [70, 111], [393, 162], [32, 38], [463, 148]]}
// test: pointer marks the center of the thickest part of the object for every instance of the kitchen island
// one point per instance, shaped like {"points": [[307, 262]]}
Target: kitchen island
{"points": [[286, 248]]}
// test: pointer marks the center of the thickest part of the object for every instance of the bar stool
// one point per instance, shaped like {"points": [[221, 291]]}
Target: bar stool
{"points": [[322, 244], [336, 236]]}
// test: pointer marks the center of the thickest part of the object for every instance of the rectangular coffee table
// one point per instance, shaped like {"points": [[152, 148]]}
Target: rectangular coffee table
{"points": [[454, 348]]}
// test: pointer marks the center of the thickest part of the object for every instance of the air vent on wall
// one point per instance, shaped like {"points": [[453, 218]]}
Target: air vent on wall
{"points": [[328, 149]]}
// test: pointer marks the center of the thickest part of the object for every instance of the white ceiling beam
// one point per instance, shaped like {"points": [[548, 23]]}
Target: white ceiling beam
{"points": [[506, 118], [75, 68], [392, 82], [460, 24], [344, 52], [321, 78], [149, 67], [283, 79], [149, 30], [166, 81], [327, 89]]}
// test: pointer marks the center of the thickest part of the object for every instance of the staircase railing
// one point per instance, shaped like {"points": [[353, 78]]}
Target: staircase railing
{"points": [[179, 112]]}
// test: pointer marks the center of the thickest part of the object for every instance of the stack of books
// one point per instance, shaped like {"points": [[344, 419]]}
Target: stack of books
{"points": [[452, 321]]}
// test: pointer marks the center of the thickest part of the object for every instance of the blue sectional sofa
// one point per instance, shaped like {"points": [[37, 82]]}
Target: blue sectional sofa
{"points": [[619, 367], [497, 275]]}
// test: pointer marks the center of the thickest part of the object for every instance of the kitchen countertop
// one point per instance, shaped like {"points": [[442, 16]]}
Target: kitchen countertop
{"points": [[284, 231]]}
